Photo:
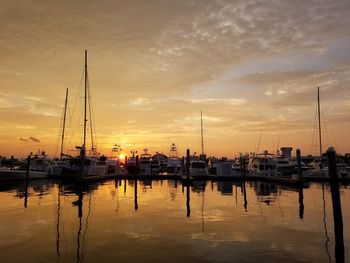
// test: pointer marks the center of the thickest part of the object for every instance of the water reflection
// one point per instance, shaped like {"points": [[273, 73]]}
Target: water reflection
{"points": [[78, 191], [135, 196], [244, 196], [188, 205], [198, 221], [301, 202]]}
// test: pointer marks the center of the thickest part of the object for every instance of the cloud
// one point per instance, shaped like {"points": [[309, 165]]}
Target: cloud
{"points": [[25, 127], [34, 139], [174, 58], [140, 104], [23, 139], [219, 101], [32, 104]]}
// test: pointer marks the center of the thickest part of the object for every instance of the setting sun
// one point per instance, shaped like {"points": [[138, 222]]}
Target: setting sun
{"points": [[121, 156]]}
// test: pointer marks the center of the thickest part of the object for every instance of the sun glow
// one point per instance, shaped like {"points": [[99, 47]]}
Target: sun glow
{"points": [[121, 156]]}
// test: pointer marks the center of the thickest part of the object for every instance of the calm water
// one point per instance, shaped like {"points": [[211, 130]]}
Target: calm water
{"points": [[162, 221]]}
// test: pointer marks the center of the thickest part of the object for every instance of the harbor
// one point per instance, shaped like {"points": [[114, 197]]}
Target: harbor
{"points": [[202, 131], [168, 204]]}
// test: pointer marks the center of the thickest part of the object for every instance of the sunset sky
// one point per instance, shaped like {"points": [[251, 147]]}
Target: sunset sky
{"points": [[253, 67]]}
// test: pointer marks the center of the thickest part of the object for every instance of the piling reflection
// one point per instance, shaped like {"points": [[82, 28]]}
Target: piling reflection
{"points": [[245, 196], [188, 205], [338, 222], [135, 196], [301, 202]]}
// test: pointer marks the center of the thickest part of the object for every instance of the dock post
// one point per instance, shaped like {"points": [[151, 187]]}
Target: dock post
{"points": [[188, 163], [244, 168], [337, 211], [135, 187], [300, 172], [243, 184], [26, 186], [300, 190]]}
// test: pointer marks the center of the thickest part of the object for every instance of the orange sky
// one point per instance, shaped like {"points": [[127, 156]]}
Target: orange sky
{"points": [[252, 67]]}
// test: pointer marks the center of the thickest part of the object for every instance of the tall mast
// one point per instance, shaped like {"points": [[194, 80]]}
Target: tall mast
{"points": [[64, 122], [85, 100], [202, 142], [319, 122]]}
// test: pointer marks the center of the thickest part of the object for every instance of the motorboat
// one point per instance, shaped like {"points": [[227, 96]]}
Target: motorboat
{"points": [[131, 164], [145, 162], [39, 163], [173, 162], [162, 160], [263, 164], [284, 165], [198, 169]]}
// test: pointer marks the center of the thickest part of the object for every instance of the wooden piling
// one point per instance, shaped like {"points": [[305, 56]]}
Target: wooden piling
{"points": [[337, 211], [244, 167], [27, 179], [300, 172], [188, 163]]}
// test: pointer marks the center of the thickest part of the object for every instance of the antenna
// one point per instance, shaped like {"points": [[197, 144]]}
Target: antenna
{"points": [[278, 142], [257, 149]]}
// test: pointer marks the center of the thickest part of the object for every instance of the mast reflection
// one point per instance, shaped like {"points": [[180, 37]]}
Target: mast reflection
{"points": [[58, 220]]}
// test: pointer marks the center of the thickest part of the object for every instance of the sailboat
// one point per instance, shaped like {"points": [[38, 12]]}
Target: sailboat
{"points": [[319, 167], [82, 166], [198, 168]]}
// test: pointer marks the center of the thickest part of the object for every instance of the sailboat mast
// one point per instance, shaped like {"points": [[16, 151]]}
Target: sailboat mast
{"points": [[202, 142], [319, 120], [85, 100], [64, 122]]}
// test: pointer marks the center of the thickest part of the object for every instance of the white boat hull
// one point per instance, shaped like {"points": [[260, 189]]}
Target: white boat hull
{"points": [[8, 175]]}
